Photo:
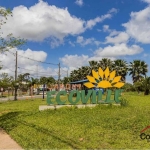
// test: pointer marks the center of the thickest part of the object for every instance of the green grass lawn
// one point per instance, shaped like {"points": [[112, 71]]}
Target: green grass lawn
{"points": [[100, 127]]}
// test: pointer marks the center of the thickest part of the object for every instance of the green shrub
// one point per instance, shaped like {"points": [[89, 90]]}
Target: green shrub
{"points": [[124, 102]]}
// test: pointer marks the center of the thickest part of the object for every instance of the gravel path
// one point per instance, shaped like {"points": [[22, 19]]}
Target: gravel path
{"points": [[6, 142]]}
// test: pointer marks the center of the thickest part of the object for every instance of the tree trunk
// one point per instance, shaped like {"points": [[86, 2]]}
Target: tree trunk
{"points": [[146, 92], [12, 92], [2, 94]]}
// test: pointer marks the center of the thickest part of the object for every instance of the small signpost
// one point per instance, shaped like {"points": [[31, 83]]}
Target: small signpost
{"points": [[43, 90]]}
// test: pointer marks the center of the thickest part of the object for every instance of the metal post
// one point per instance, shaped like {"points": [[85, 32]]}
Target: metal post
{"points": [[15, 98], [43, 90], [59, 77]]}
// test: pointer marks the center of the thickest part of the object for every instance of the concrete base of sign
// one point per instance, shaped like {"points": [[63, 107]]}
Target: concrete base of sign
{"points": [[44, 107]]}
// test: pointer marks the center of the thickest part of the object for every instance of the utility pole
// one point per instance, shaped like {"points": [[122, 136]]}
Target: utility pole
{"points": [[67, 73], [37, 71], [59, 77], [15, 98]]}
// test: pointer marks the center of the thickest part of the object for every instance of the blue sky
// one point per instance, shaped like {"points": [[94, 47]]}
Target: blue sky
{"points": [[74, 32]]}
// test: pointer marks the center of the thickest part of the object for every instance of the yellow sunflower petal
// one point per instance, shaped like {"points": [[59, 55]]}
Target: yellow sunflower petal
{"points": [[95, 75], [91, 79], [106, 73], [116, 79], [104, 84], [119, 84], [101, 73], [89, 85], [112, 75]]}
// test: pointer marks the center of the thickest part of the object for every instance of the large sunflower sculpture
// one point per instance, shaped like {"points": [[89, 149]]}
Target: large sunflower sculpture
{"points": [[104, 79]]}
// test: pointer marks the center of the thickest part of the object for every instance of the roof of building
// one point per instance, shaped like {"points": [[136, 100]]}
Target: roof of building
{"points": [[79, 82]]}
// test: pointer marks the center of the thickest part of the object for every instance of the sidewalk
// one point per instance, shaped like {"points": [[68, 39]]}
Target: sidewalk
{"points": [[21, 97], [6, 142]]}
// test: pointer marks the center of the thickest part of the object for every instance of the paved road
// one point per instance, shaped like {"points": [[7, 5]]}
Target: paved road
{"points": [[22, 97]]}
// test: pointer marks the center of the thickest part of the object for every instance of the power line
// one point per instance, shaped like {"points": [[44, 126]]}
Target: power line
{"points": [[42, 76], [31, 70], [34, 59], [31, 74], [65, 71], [7, 68], [41, 62]]}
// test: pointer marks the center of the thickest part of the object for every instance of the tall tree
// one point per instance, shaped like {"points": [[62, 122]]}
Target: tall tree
{"points": [[86, 70], [74, 75], [43, 80], [121, 68], [50, 81], [105, 62], [146, 85], [93, 65], [66, 80], [5, 81], [7, 42], [138, 69]]}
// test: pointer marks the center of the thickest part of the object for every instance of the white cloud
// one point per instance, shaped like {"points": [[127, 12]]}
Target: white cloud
{"points": [[83, 42], [113, 10], [111, 31], [111, 52], [74, 61], [91, 23], [71, 43], [106, 28], [26, 65], [43, 21], [115, 37], [138, 26], [147, 1], [79, 2], [145, 55], [118, 50], [121, 37]]}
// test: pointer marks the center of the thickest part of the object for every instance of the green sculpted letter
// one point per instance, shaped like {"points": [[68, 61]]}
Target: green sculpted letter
{"points": [[93, 97], [77, 98], [83, 98], [117, 95], [58, 97], [108, 96], [49, 97]]}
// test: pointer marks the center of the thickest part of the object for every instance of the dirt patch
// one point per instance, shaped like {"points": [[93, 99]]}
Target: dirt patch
{"points": [[6, 142]]}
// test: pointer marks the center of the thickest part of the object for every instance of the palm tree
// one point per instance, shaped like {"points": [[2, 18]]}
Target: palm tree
{"points": [[146, 85], [121, 68], [93, 65], [50, 81], [138, 69], [86, 70], [74, 75], [105, 62]]}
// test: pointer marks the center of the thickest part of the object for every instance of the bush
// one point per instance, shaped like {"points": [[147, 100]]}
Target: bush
{"points": [[128, 87], [124, 102]]}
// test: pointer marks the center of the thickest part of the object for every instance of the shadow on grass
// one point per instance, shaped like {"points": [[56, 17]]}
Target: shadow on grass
{"points": [[10, 121]]}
